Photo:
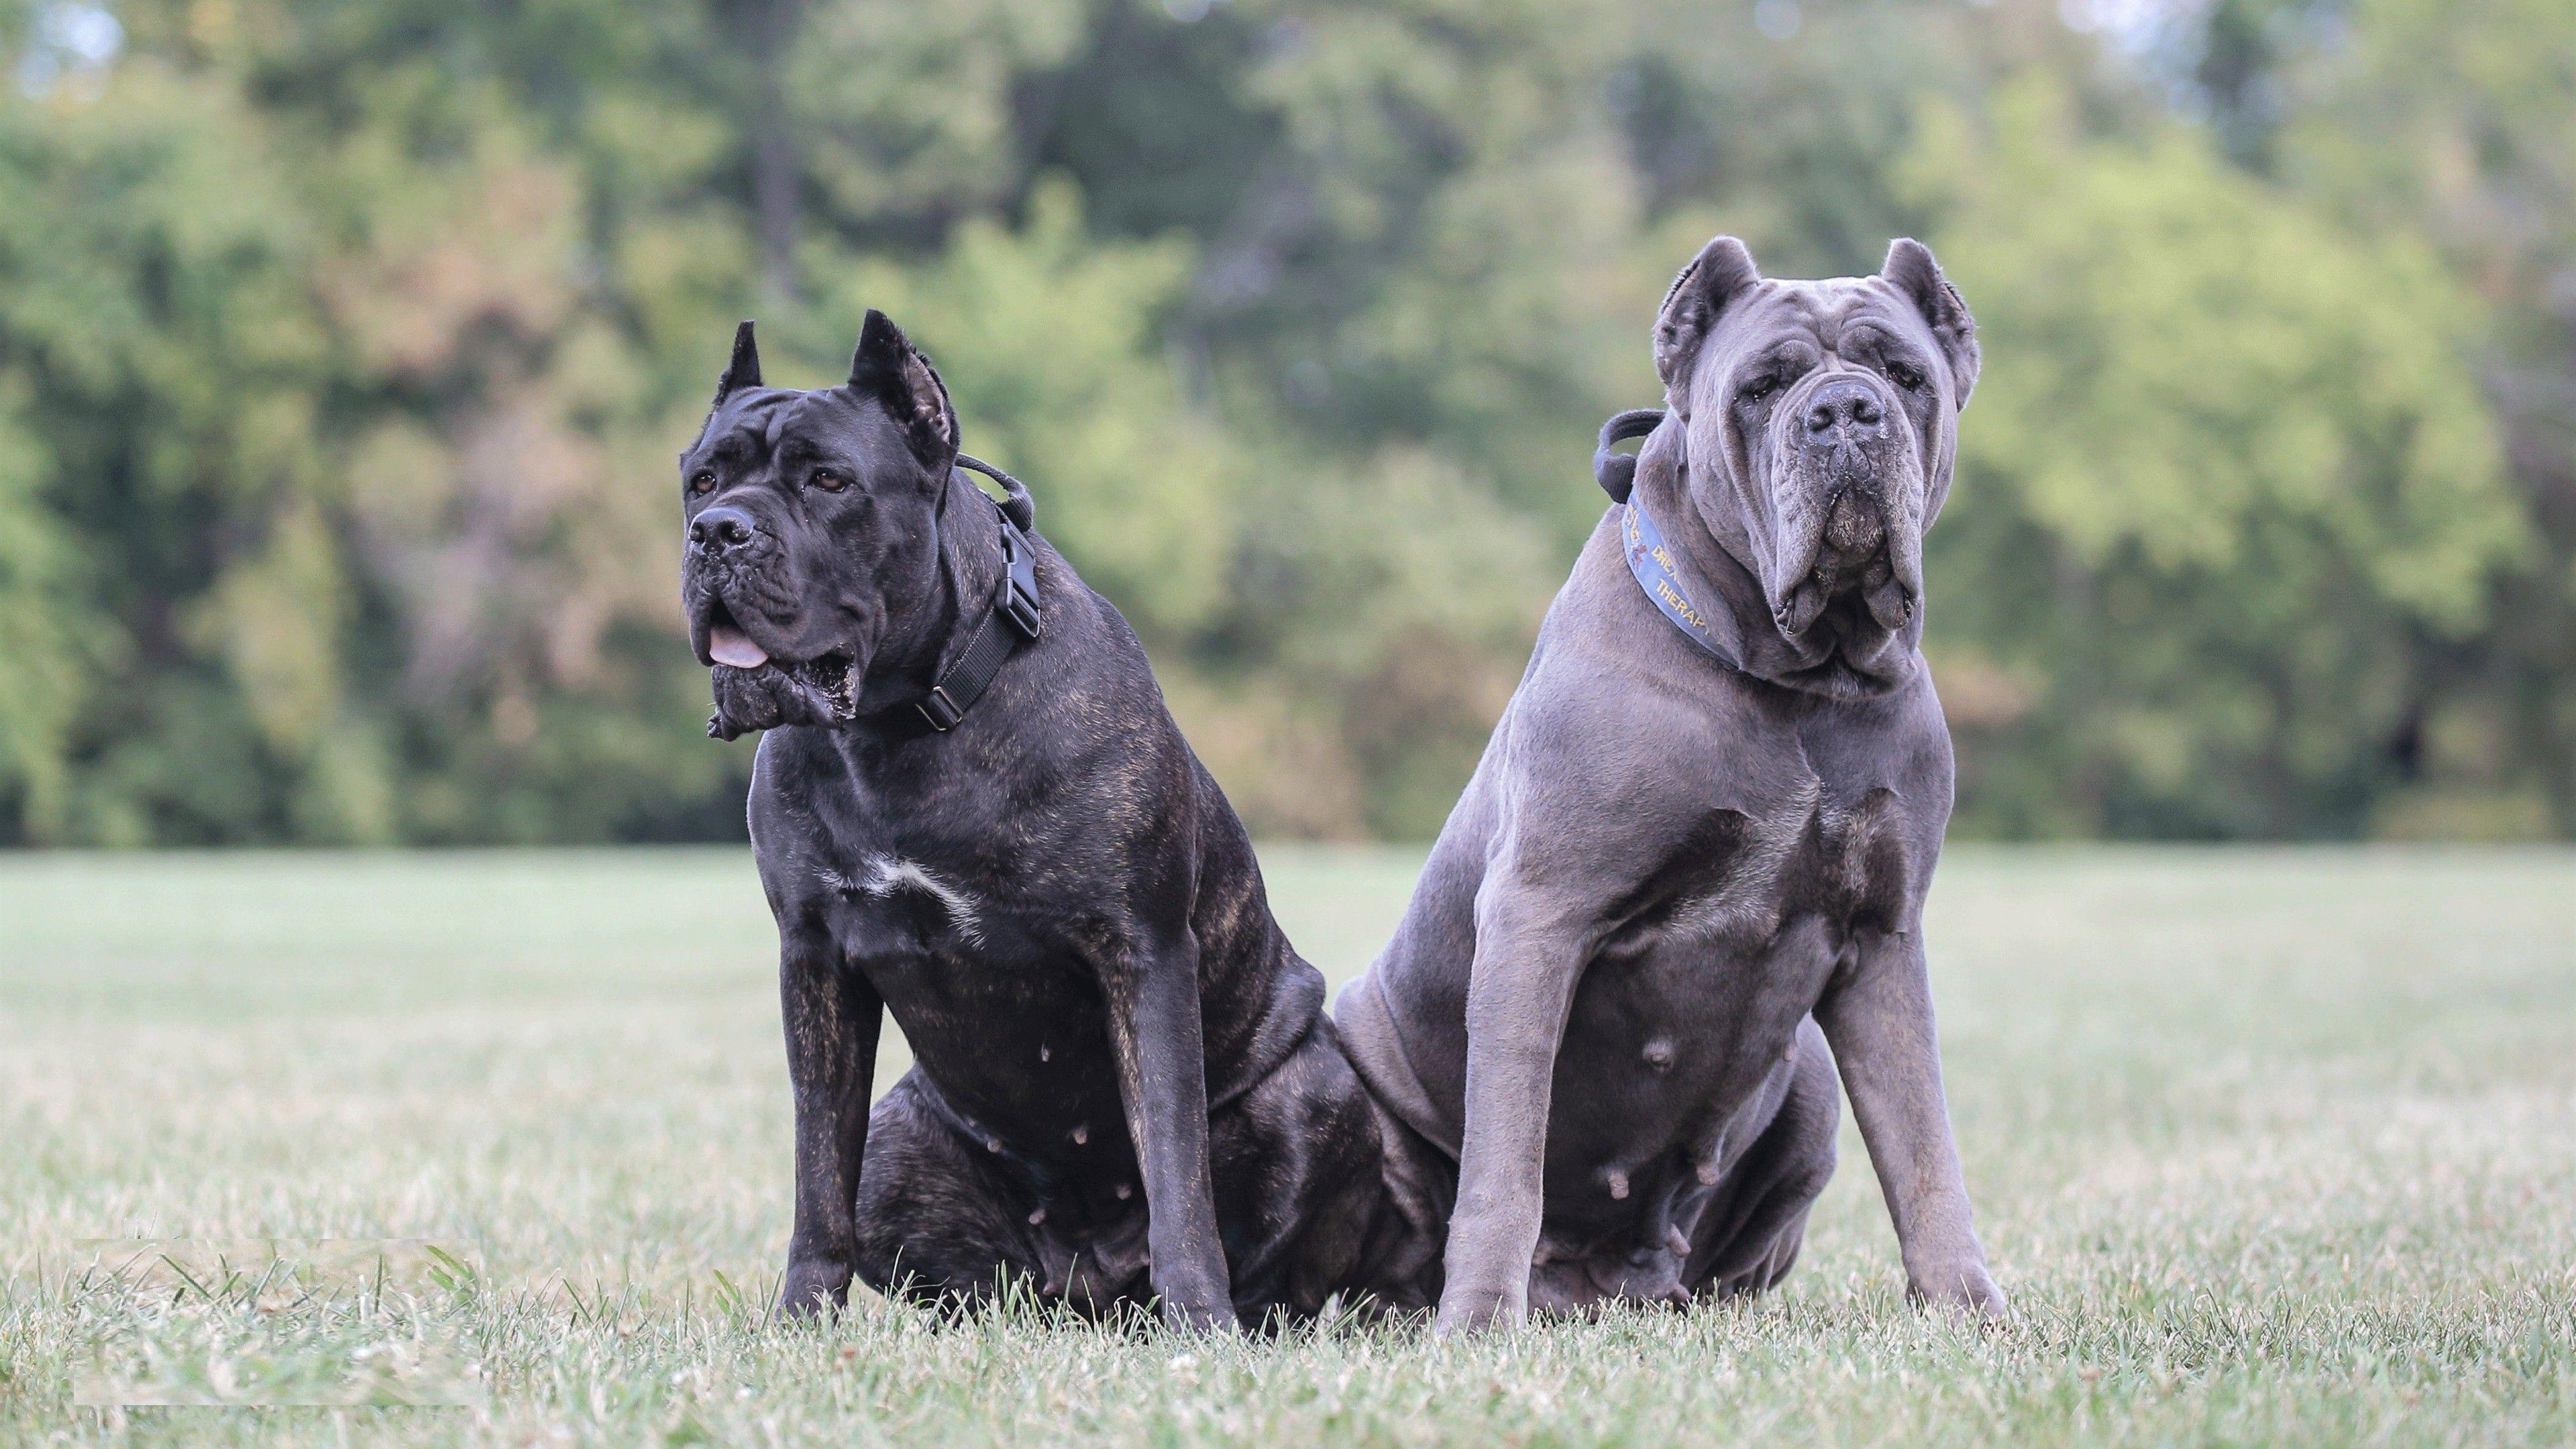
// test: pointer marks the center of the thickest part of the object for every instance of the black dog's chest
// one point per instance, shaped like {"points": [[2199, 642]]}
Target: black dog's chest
{"points": [[903, 882], [891, 905], [935, 937], [1003, 1017]]}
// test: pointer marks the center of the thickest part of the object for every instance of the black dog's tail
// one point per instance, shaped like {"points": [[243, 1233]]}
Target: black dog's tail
{"points": [[1017, 506], [1617, 472]]}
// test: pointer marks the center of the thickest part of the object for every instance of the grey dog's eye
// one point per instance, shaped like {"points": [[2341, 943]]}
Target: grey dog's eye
{"points": [[1905, 375], [1759, 388], [829, 481], [702, 482]]}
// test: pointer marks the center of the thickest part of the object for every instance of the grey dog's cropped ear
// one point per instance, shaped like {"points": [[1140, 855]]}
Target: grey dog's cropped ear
{"points": [[743, 370], [1721, 272], [1909, 268], [886, 367]]}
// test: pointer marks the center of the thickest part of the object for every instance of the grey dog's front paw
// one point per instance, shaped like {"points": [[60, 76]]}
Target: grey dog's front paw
{"points": [[1465, 1309], [1963, 1288]]}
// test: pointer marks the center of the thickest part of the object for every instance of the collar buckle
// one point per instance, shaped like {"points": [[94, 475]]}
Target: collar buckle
{"points": [[1018, 602], [939, 711], [1014, 601]]}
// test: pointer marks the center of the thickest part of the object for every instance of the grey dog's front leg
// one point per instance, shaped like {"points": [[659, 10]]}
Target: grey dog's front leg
{"points": [[831, 1014], [1162, 1078], [1519, 989], [1879, 1023]]}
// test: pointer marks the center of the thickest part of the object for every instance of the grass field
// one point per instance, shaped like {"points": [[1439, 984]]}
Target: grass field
{"points": [[2268, 1147]]}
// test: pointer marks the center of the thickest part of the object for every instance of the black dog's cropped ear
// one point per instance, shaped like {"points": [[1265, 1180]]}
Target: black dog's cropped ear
{"points": [[887, 368], [744, 370], [1721, 272], [1909, 268]]}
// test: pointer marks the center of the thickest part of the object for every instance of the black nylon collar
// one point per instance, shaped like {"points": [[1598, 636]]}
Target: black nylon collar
{"points": [[1011, 618]]}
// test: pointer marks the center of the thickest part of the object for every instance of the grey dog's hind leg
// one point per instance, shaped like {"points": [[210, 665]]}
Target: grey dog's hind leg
{"points": [[1748, 1238], [937, 1220]]}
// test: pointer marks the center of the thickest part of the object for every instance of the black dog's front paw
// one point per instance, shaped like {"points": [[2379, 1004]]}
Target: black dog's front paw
{"points": [[1206, 1311], [815, 1288]]}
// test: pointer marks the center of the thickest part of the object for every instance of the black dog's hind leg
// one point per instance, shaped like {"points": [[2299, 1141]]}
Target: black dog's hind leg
{"points": [[1154, 1035], [831, 1015], [941, 1219], [1300, 1184]]}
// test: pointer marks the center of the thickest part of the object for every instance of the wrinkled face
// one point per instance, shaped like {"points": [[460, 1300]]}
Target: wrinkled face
{"points": [[808, 533], [1821, 418]]}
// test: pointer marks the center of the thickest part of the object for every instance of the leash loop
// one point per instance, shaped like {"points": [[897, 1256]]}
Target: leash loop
{"points": [[1019, 506], [1617, 472]]}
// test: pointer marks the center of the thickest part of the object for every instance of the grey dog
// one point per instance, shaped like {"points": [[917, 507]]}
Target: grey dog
{"points": [[1695, 840]]}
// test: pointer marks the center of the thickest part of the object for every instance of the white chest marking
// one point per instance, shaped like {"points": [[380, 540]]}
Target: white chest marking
{"points": [[883, 875]]}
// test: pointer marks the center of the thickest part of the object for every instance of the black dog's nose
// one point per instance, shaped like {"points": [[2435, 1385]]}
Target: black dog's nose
{"points": [[1847, 405], [720, 528]]}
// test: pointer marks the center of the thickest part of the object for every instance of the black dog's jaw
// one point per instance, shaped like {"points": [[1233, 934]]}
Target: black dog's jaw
{"points": [[816, 692], [1052, 897]]}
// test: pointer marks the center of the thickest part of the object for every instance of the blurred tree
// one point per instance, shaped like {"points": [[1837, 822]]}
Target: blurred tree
{"points": [[1046, 337], [172, 612], [343, 348], [2225, 487], [2458, 118]]}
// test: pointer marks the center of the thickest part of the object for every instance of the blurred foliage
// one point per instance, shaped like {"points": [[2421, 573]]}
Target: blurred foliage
{"points": [[344, 348], [2226, 483]]}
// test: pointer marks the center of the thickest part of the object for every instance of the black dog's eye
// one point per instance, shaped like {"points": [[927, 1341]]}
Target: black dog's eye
{"points": [[829, 481], [1905, 375], [702, 482]]}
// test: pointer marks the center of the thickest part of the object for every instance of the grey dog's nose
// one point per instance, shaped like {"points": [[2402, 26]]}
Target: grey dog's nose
{"points": [[1847, 406], [720, 528]]}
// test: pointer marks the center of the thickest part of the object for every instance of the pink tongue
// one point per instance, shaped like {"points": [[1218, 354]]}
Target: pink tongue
{"points": [[730, 645]]}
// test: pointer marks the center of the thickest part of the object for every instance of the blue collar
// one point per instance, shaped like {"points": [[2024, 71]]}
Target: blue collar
{"points": [[1659, 573]]}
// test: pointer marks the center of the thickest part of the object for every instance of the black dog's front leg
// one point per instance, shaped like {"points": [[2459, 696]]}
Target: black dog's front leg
{"points": [[1162, 1079], [831, 1014]]}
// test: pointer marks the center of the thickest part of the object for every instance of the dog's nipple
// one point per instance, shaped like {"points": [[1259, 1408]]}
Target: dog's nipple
{"points": [[1082, 1134], [1618, 1184]]}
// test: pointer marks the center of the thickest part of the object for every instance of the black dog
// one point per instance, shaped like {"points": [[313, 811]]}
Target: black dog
{"points": [[973, 808]]}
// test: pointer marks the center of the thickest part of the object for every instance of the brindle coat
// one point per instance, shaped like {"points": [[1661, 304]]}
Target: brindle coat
{"points": [[1676, 895], [1125, 1088]]}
